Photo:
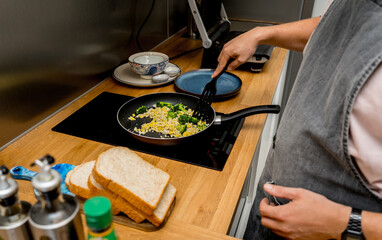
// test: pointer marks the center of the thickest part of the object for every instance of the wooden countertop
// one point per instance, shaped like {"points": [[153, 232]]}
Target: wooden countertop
{"points": [[206, 199]]}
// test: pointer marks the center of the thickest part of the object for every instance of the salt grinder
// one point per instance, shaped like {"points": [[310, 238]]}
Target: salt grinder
{"points": [[54, 215], [13, 212]]}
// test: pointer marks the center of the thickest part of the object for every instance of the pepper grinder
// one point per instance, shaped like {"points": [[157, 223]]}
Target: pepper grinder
{"points": [[54, 215], [13, 212]]}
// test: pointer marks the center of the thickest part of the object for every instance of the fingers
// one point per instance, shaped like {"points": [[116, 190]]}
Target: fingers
{"points": [[282, 192], [234, 64], [267, 219], [267, 210], [218, 69], [215, 73], [274, 225], [269, 223], [222, 62]]}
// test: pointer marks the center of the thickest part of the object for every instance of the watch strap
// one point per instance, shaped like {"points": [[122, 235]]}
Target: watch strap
{"points": [[354, 227]]}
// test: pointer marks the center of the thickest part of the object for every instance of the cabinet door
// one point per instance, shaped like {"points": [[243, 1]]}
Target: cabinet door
{"points": [[244, 205]]}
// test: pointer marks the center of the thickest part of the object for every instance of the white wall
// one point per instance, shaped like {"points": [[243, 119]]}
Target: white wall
{"points": [[319, 7]]}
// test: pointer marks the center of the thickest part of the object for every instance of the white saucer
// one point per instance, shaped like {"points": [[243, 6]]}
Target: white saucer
{"points": [[126, 75]]}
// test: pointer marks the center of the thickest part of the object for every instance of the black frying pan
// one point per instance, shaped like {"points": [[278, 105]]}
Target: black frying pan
{"points": [[190, 101]]}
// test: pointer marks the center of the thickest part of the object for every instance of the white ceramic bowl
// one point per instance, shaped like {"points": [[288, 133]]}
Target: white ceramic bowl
{"points": [[147, 64]]}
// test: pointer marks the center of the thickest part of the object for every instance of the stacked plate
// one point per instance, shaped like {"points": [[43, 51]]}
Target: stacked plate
{"points": [[126, 75], [193, 82]]}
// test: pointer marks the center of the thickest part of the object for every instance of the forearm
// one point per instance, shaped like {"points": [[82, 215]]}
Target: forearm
{"points": [[293, 36], [339, 218], [371, 225], [312, 216], [370, 222]]}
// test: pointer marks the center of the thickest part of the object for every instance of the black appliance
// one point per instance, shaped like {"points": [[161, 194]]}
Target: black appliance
{"points": [[97, 121], [214, 30]]}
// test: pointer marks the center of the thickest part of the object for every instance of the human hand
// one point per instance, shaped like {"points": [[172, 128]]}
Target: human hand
{"points": [[240, 49], [307, 216]]}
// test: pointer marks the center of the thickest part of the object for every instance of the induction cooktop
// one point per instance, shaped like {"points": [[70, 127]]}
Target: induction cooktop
{"points": [[97, 121]]}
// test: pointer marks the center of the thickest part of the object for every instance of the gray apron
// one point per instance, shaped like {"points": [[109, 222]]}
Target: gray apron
{"points": [[311, 146]]}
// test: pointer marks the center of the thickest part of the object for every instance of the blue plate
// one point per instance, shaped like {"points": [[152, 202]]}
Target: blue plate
{"points": [[193, 82]]}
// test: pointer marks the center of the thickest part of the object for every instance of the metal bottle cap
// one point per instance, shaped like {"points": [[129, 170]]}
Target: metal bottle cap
{"points": [[8, 186], [47, 179]]}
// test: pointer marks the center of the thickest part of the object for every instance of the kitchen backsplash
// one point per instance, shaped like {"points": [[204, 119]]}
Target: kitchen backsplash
{"points": [[52, 51]]}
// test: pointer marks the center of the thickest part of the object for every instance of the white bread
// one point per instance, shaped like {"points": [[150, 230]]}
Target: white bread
{"points": [[160, 212], [138, 216], [125, 173], [164, 206], [67, 177], [116, 201], [78, 179]]}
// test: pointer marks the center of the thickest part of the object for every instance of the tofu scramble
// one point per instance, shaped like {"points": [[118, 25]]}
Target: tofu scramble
{"points": [[169, 120]]}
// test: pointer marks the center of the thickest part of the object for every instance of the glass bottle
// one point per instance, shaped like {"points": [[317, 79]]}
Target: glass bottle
{"points": [[99, 219]]}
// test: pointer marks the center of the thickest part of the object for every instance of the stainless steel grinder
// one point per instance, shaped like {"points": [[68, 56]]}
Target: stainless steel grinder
{"points": [[54, 215], [13, 212]]}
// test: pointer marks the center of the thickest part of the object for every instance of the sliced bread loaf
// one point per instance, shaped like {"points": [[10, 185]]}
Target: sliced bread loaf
{"points": [[75, 182], [67, 183], [78, 179], [160, 212], [116, 202], [125, 173], [164, 206]]}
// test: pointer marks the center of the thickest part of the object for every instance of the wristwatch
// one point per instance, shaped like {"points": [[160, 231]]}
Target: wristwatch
{"points": [[353, 231]]}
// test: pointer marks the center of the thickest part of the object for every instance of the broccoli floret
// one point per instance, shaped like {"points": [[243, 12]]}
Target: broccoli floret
{"points": [[165, 104], [183, 119], [141, 110], [181, 128], [172, 114], [179, 107], [194, 120], [160, 104], [202, 127]]}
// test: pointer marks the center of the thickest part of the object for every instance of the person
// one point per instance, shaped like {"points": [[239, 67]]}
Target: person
{"points": [[326, 160]]}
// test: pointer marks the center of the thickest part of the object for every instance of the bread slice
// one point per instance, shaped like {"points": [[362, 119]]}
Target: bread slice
{"points": [[78, 180], [68, 174], [160, 212], [75, 182], [116, 201], [164, 206], [125, 173], [138, 216]]}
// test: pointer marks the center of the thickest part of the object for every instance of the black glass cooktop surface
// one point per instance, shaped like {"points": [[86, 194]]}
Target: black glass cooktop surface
{"points": [[97, 121]]}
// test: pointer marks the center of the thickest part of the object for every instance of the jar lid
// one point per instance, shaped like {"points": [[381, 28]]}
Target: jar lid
{"points": [[47, 179], [98, 212], [8, 187]]}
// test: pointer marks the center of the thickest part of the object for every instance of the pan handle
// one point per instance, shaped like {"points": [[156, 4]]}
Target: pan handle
{"points": [[248, 112]]}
